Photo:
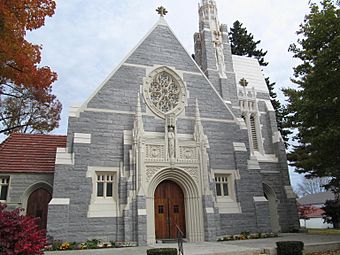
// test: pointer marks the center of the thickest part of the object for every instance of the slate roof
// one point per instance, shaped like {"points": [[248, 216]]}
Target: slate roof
{"points": [[27, 153], [316, 199], [249, 69]]}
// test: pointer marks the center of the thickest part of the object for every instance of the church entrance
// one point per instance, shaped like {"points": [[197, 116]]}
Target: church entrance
{"points": [[37, 205], [169, 210]]}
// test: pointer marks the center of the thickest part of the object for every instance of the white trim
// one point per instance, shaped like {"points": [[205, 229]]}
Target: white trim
{"points": [[266, 158], [239, 146], [147, 67], [142, 212], [74, 111], [228, 204], [103, 206], [7, 184], [82, 138], [253, 163], [150, 114], [59, 201], [277, 137], [260, 199], [63, 157], [127, 134], [269, 105]]}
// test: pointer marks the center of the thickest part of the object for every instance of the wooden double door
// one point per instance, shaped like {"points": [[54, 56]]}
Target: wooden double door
{"points": [[169, 210], [37, 205]]}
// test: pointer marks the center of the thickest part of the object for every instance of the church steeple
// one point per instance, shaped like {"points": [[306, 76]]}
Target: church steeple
{"points": [[213, 52], [208, 15]]}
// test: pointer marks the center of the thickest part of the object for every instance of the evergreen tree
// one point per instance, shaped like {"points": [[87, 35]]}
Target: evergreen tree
{"points": [[314, 107], [243, 44]]}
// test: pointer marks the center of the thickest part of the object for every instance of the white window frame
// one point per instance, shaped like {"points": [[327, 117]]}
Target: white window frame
{"points": [[105, 206], [227, 204], [106, 178], [4, 181], [221, 179]]}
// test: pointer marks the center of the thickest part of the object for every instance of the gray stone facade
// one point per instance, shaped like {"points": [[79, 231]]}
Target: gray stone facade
{"points": [[115, 130], [23, 184]]}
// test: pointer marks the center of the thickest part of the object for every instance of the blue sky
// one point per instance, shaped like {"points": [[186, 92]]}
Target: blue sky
{"points": [[86, 39]]}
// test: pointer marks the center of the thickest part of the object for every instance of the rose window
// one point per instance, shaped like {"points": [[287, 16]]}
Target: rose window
{"points": [[164, 92]]}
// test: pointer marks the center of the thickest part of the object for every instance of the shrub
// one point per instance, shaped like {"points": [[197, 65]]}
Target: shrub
{"points": [[92, 244], [20, 234], [289, 248], [162, 251]]}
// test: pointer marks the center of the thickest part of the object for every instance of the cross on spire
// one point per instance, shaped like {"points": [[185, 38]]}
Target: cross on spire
{"points": [[161, 11]]}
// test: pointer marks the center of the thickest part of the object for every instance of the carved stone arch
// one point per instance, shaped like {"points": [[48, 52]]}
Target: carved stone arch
{"points": [[269, 193], [164, 92], [41, 184], [192, 200]]}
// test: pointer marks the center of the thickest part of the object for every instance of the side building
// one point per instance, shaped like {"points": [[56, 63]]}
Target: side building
{"points": [[27, 172]]}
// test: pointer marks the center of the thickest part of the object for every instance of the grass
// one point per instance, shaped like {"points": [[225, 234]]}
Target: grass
{"points": [[326, 253], [327, 231]]}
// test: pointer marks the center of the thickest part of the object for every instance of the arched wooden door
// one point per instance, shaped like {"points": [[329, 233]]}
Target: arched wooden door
{"points": [[169, 210], [37, 205]]}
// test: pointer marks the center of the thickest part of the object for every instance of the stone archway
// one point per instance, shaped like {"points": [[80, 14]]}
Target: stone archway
{"points": [[35, 201], [192, 203], [272, 201]]}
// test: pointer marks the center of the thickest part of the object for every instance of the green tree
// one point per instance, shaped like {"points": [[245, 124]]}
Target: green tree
{"points": [[332, 212], [314, 107], [243, 44]]}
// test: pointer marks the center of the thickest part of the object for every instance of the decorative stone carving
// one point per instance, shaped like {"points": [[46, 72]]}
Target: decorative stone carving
{"points": [[154, 151], [171, 141], [187, 152], [150, 172], [164, 92], [193, 172]]}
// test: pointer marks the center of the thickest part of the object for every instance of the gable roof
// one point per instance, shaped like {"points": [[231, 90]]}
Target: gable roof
{"points": [[159, 47], [316, 199], [26, 153]]}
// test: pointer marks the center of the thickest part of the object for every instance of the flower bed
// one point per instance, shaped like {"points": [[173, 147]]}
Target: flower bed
{"points": [[246, 236], [57, 245]]}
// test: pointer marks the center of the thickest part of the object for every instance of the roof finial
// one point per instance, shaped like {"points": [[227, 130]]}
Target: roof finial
{"points": [[161, 11]]}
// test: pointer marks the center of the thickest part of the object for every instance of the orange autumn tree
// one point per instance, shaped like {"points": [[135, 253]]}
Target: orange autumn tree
{"points": [[26, 100]]}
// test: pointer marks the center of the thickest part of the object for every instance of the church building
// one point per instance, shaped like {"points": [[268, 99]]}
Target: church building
{"points": [[172, 143]]}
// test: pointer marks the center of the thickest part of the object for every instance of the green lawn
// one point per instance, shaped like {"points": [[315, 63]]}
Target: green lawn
{"points": [[326, 253], [328, 231]]}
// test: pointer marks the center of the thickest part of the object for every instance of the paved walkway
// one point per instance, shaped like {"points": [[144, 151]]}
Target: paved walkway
{"points": [[244, 247]]}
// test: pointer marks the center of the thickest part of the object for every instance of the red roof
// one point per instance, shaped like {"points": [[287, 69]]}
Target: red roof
{"points": [[26, 153], [317, 213]]}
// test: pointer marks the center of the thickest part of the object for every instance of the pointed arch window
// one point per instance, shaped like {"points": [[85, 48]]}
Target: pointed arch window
{"points": [[254, 132]]}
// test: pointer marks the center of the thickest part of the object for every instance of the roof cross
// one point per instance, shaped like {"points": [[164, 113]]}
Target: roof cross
{"points": [[161, 11]]}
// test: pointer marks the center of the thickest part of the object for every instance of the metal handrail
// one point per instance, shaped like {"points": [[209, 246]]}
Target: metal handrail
{"points": [[180, 236]]}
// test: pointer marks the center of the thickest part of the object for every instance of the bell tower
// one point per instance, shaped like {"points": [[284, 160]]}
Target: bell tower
{"points": [[213, 51]]}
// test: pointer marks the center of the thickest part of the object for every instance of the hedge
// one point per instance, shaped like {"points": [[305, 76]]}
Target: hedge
{"points": [[289, 248], [162, 251]]}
